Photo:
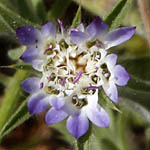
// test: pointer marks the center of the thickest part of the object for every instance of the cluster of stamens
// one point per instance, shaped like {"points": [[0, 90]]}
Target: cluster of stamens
{"points": [[67, 68]]}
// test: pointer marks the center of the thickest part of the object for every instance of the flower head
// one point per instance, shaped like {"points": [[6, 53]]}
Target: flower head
{"points": [[74, 66]]}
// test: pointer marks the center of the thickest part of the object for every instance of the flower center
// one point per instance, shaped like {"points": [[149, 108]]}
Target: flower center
{"points": [[66, 65], [79, 103]]}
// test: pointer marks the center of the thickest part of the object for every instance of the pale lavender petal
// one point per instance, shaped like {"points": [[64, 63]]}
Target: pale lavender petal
{"points": [[37, 103], [77, 125], [48, 29], [54, 116], [112, 92], [96, 28], [30, 55], [31, 85], [57, 102], [80, 28], [119, 36], [99, 117], [78, 37], [38, 64], [111, 59], [28, 35], [121, 75]]}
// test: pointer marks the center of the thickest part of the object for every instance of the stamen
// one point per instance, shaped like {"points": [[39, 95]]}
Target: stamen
{"points": [[41, 85], [63, 82], [47, 51], [93, 87], [77, 77]]}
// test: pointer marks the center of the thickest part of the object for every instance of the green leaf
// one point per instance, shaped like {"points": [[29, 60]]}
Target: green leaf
{"points": [[138, 69], [4, 79], [40, 9], [15, 54], [12, 96], [22, 66], [135, 111], [16, 119], [105, 101], [10, 21], [135, 95], [58, 9], [25, 8], [116, 15], [77, 19]]}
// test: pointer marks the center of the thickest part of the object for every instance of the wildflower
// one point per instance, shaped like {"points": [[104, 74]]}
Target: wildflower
{"points": [[74, 67]]}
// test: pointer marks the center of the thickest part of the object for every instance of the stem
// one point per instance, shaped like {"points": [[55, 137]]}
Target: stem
{"points": [[145, 17]]}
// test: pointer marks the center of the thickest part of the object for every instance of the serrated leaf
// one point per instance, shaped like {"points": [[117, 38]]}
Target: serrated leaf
{"points": [[116, 15], [16, 119], [77, 19], [10, 21], [57, 10], [12, 96]]}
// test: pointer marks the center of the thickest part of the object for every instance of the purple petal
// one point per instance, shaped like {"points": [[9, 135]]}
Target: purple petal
{"points": [[119, 36], [28, 35], [31, 85], [77, 125], [57, 102], [54, 116], [96, 28], [99, 117], [37, 103], [112, 92], [30, 55], [121, 75], [111, 59], [48, 29], [78, 37]]}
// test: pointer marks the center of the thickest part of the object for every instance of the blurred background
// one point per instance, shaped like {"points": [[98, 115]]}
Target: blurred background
{"points": [[129, 130]]}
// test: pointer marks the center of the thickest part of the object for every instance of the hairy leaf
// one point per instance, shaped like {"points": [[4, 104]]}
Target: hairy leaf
{"points": [[16, 119], [116, 15], [77, 19]]}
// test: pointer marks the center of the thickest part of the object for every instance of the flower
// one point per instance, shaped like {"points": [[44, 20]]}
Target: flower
{"points": [[74, 65], [96, 34]]}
